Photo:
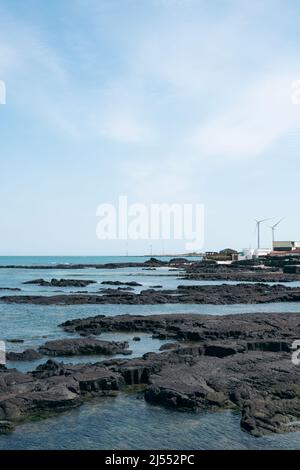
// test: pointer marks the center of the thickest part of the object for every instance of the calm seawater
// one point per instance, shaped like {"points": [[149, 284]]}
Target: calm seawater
{"points": [[124, 422], [30, 260]]}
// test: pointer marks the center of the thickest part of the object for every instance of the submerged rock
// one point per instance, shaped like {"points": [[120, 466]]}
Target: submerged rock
{"points": [[15, 340], [13, 289]]}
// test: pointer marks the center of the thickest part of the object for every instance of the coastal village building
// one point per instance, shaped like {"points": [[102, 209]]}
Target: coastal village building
{"points": [[246, 254], [226, 255], [249, 253], [262, 252], [286, 246], [280, 248]]}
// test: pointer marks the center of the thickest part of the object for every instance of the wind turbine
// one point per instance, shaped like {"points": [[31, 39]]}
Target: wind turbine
{"points": [[258, 222], [273, 227]]}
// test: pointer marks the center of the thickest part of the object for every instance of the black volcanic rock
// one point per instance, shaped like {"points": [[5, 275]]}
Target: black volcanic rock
{"points": [[166, 346], [184, 294], [27, 355], [239, 362], [254, 328], [178, 261], [235, 272], [154, 262], [252, 382], [61, 282], [72, 347], [12, 289], [120, 283], [52, 387], [83, 346], [236, 361], [15, 340]]}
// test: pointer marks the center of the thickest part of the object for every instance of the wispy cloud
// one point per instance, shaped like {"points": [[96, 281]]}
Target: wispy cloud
{"points": [[261, 115], [166, 91], [162, 100]]}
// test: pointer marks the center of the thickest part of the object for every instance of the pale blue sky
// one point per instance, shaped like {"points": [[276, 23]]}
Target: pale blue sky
{"points": [[159, 100]]}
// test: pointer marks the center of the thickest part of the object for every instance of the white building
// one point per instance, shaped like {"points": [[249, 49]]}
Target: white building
{"points": [[245, 254], [262, 252]]}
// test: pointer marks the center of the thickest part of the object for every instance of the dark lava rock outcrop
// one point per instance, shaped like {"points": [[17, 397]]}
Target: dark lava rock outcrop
{"points": [[235, 272], [12, 289], [120, 283], [15, 340], [236, 362], [242, 276], [72, 347], [194, 327], [239, 362], [191, 294], [61, 282], [264, 386], [152, 262], [52, 387], [27, 355], [84, 347]]}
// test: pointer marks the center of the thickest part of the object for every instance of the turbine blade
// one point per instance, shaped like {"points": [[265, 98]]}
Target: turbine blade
{"points": [[279, 222]]}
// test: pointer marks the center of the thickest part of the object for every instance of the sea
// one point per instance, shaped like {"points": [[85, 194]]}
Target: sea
{"points": [[125, 421]]}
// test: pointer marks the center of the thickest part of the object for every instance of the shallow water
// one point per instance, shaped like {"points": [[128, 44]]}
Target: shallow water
{"points": [[126, 422], [36, 323]]}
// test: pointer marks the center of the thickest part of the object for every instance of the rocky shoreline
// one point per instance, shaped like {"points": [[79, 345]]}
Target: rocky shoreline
{"points": [[240, 362], [211, 363], [264, 270], [238, 272], [184, 294], [241, 276]]}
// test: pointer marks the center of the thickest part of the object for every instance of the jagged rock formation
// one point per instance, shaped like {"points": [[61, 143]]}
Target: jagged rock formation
{"points": [[240, 362]]}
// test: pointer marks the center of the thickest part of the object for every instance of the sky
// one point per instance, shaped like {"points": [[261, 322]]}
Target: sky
{"points": [[163, 101]]}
